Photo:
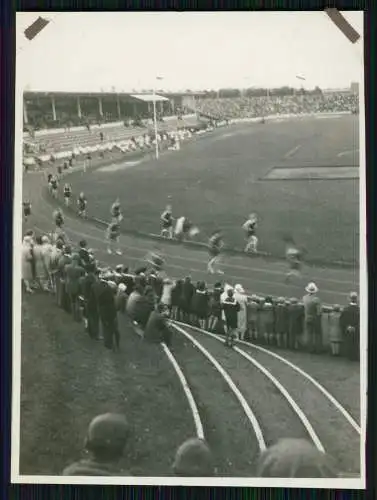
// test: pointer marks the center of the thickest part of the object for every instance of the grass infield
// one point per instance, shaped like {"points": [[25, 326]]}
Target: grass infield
{"points": [[216, 182]]}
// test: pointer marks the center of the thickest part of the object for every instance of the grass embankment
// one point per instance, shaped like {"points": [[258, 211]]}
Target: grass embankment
{"points": [[67, 379]]}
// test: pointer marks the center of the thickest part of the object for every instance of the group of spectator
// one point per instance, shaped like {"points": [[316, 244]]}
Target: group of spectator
{"points": [[109, 434], [254, 107], [148, 298]]}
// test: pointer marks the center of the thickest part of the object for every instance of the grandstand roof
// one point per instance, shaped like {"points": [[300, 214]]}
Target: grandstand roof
{"points": [[146, 97], [149, 97]]}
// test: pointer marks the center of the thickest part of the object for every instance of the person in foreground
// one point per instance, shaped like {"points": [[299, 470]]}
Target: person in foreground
{"points": [[295, 458], [106, 438], [194, 459]]}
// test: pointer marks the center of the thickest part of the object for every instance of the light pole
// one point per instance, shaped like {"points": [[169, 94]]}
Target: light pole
{"points": [[155, 116]]}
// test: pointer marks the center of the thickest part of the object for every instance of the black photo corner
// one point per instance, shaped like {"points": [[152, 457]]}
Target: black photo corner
{"points": [[7, 137]]}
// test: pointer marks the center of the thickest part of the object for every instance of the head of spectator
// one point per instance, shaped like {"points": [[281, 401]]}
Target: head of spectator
{"points": [[311, 288], [30, 233], [239, 289], [201, 286], [38, 240], [67, 250], [83, 244], [194, 459], [336, 308], [230, 293], [353, 298], [107, 436], [269, 300], [295, 458]]}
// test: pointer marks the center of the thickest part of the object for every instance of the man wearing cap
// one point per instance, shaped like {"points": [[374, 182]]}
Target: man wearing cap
{"points": [[350, 327], [312, 326], [105, 442], [194, 459]]}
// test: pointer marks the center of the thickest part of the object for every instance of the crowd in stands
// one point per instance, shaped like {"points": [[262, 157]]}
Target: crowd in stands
{"points": [[109, 434], [254, 107]]}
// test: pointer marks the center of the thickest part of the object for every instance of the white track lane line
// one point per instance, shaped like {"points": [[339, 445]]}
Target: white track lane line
{"points": [[246, 408], [187, 391], [301, 415], [324, 391]]}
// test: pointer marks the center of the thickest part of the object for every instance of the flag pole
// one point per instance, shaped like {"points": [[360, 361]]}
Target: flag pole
{"points": [[155, 121], [155, 114]]}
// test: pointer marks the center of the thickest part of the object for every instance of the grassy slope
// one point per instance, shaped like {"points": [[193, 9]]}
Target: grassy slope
{"points": [[67, 379], [218, 182]]}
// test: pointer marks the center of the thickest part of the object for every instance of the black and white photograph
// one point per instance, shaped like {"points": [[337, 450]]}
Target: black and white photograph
{"points": [[189, 249]]}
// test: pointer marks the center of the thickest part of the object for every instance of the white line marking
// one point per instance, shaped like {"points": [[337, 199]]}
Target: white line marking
{"points": [[301, 415], [187, 391], [329, 396], [250, 415], [348, 152], [324, 391], [292, 151]]}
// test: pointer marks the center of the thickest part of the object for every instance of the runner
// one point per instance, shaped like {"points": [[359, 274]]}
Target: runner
{"points": [[116, 212], [215, 245], [167, 223], [54, 186], [294, 260], [27, 210], [81, 203], [58, 218], [250, 227], [67, 194], [112, 235]]}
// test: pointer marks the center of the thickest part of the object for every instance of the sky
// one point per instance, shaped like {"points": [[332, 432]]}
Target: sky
{"points": [[82, 51]]}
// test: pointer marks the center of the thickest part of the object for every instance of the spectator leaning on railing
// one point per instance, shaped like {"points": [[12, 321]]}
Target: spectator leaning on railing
{"points": [[101, 298]]}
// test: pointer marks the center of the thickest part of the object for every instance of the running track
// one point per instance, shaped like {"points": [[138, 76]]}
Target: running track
{"points": [[256, 274]]}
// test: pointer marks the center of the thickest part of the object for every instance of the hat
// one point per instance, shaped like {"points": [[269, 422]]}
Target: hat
{"points": [[45, 239], [280, 300], [353, 296], [119, 268], [293, 300], [107, 431], [311, 288], [27, 239], [295, 458], [336, 307], [239, 289], [194, 459]]}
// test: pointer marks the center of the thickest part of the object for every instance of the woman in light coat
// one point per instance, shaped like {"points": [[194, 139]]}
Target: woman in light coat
{"points": [[241, 298], [27, 262]]}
